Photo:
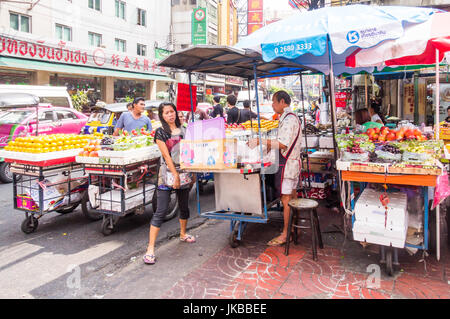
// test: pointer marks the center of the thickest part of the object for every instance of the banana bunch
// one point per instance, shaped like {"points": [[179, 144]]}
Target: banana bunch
{"points": [[266, 125]]}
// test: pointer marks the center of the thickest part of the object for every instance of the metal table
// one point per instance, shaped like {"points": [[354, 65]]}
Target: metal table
{"points": [[424, 181]]}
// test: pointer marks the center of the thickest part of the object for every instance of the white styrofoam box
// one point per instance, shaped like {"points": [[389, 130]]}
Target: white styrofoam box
{"points": [[342, 165], [368, 208], [87, 160], [326, 142], [140, 152], [315, 184], [313, 141], [321, 154], [111, 201], [39, 157], [378, 234]]}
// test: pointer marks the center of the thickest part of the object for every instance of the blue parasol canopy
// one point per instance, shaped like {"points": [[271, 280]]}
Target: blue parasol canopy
{"points": [[305, 37]]}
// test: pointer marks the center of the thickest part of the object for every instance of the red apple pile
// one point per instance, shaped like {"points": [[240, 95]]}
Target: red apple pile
{"points": [[385, 134]]}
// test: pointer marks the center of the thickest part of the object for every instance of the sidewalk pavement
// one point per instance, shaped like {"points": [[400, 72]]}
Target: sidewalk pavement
{"points": [[255, 270]]}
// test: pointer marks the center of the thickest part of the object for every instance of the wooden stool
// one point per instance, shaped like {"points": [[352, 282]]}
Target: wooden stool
{"points": [[297, 206]]}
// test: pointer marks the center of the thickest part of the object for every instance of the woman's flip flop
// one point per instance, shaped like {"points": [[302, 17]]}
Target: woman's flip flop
{"points": [[188, 239], [149, 259]]}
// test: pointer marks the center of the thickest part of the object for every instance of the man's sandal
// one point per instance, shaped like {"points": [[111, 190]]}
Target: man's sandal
{"points": [[149, 259], [277, 242], [188, 239]]}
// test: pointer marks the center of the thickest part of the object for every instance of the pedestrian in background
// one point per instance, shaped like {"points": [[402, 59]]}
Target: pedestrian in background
{"points": [[134, 119], [233, 114], [218, 109]]}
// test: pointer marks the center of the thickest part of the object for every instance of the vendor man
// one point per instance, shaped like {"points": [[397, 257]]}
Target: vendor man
{"points": [[134, 119], [288, 143]]}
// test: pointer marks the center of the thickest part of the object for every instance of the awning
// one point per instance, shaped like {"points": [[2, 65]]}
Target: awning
{"points": [[218, 59], [79, 70]]}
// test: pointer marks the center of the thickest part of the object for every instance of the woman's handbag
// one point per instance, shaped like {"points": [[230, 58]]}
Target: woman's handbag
{"points": [[185, 178]]}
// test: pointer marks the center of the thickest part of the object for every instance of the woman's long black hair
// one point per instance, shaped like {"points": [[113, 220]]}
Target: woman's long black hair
{"points": [[165, 125]]}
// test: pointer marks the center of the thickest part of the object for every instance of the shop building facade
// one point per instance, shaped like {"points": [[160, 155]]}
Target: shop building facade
{"points": [[103, 46]]}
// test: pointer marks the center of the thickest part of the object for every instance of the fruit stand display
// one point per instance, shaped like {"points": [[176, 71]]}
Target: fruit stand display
{"points": [[444, 134], [45, 176], [383, 216], [122, 175], [237, 173]]}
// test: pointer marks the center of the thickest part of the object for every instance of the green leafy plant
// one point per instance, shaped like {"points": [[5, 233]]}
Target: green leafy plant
{"points": [[210, 99], [274, 89], [79, 100]]}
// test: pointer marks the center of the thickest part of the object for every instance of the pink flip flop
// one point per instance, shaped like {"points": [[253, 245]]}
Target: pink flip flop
{"points": [[188, 239], [149, 259]]}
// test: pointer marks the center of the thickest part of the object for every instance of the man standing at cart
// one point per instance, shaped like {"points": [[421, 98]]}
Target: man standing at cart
{"points": [[134, 119], [288, 143]]}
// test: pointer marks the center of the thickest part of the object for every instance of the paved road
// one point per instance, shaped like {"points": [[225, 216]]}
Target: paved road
{"points": [[68, 251]]}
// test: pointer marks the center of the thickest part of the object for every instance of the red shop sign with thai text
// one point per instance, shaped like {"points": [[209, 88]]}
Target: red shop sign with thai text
{"points": [[341, 99], [45, 50]]}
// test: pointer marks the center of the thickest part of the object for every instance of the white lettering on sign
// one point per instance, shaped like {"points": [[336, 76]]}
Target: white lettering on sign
{"points": [[293, 47], [49, 51]]}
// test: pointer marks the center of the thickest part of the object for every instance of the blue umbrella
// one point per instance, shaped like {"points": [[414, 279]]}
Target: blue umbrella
{"points": [[305, 36], [322, 39]]}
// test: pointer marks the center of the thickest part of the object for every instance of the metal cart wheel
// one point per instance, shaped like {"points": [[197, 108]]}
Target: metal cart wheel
{"points": [[108, 226], [67, 210], [29, 225], [389, 264], [87, 209], [234, 243]]}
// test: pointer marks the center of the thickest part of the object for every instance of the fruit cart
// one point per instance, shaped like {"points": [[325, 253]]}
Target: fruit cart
{"points": [[242, 194], [382, 217], [122, 179], [111, 195], [40, 189]]}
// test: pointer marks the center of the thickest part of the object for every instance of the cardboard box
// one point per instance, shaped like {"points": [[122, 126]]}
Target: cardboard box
{"points": [[208, 154]]}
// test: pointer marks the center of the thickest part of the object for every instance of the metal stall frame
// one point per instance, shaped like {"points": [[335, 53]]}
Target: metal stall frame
{"points": [[31, 176], [242, 63], [97, 172], [389, 255]]}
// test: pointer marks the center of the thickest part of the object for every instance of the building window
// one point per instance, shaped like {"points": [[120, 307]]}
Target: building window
{"points": [[121, 45], [120, 9], [141, 49], [142, 17], [175, 2], [95, 39], [94, 4], [20, 22], [193, 2], [63, 33]]}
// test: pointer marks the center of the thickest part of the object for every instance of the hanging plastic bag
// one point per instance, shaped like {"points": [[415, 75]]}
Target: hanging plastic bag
{"points": [[442, 190]]}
